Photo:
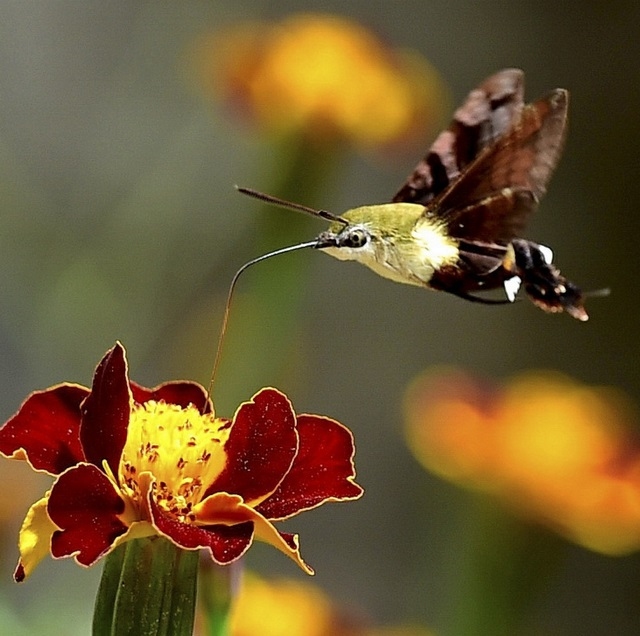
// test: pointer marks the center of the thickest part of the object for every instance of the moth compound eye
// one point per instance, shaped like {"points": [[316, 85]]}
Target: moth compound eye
{"points": [[355, 237]]}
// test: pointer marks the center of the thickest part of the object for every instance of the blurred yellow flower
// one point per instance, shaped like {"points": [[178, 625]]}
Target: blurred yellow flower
{"points": [[325, 77], [280, 608], [559, 452], [287, 607]]}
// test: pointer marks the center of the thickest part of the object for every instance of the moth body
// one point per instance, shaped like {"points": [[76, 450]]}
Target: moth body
{"points": [[456, 223]]}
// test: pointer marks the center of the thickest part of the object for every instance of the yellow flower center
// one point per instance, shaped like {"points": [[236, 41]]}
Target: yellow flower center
{"points": [[180, 447]]}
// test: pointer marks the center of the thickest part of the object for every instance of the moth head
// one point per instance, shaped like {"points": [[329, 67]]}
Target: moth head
{"points": [[370, 231], [351, 237], [363, 234]]}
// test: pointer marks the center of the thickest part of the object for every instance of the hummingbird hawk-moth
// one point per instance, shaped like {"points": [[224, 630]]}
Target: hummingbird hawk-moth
{"points": [[456, 224]]}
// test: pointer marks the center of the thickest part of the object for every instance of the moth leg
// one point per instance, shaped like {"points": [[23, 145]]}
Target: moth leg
{"points": [[479, 299], [543, 283]]}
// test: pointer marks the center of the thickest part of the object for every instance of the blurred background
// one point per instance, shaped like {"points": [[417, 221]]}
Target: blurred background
{"points": [[122, 133]]}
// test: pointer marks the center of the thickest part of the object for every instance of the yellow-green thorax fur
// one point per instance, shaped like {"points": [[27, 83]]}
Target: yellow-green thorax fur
{"points": [[405, 245]]}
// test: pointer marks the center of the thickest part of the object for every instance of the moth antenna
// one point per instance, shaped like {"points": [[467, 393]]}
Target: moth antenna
{"points": [[227, 307], [268, 198]]}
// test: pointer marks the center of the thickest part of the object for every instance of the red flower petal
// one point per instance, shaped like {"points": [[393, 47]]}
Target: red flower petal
{"points": [[222, 508], [106, 411], [323, 470], [226, 543], [294, 545], [85, 506], [181, 393], [19, 575], [261, 447], [47, 428]]}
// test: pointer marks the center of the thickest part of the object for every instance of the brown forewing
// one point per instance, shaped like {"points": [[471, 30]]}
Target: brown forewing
{"points": [[485, 174], [488, 112], [523, 158], [496, 218]]}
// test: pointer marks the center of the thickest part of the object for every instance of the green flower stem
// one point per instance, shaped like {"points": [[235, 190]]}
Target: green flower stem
{"points": [[262, 334], [148, 588], [503, 569]]}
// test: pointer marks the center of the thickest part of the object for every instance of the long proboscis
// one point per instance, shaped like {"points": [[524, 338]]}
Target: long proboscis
{"points": [[283, 203], [234, 280]]}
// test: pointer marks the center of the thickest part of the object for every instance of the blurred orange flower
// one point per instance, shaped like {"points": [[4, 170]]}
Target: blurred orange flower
{"points": [[326, 77], [286, 607], [562, 453]]}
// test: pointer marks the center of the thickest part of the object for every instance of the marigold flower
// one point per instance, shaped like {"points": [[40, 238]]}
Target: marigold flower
{"points": [[325, 76], [561, 453], [131, 462]]}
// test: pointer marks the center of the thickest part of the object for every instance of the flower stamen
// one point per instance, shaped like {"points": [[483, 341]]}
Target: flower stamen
{"points": [[181, 447]]}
